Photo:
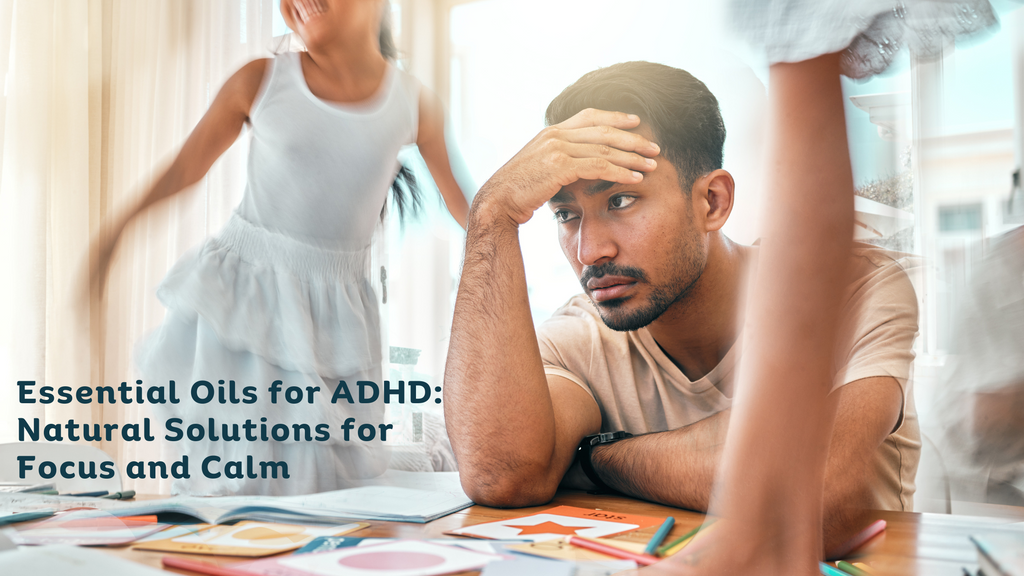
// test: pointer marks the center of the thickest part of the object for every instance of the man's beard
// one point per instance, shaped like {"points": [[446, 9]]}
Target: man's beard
{"points": [[688, 266]]}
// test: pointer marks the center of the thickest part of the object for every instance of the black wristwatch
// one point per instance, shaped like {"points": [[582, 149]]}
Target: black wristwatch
{"points": [[587, 445]]}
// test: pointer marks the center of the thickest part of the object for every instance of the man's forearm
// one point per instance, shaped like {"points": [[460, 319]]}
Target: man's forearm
{"points": [[512, 444], [676, 467], [497, 405]]}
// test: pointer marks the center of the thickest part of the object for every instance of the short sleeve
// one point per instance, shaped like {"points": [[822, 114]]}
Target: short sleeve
{"points": [[879, 326], [563, 338]]}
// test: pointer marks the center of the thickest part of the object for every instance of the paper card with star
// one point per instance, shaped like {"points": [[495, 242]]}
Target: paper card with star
{"points": [[559, 522], [251, 539]]}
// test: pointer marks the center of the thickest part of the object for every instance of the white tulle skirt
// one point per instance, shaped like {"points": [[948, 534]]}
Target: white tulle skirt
{"points": [[869, 33], [255, 307]]}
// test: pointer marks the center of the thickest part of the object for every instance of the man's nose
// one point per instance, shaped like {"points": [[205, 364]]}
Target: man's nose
{"points": [[596, 243]]}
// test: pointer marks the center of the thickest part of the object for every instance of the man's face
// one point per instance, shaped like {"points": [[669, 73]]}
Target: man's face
{"points": [[635, 247]]}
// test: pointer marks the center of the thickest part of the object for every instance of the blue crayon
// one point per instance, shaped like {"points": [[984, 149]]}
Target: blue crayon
{"points": [[659, 536]]}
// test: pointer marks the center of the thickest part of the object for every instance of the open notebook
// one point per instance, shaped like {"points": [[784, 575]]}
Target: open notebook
{"points": [[389, 503]]}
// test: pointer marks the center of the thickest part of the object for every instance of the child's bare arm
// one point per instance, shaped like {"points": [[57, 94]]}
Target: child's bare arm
{"points": [[432, 147], [212, 136]]}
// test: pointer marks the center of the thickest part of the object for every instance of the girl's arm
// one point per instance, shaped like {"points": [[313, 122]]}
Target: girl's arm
{"points": [[432, 147], [212, 136]]}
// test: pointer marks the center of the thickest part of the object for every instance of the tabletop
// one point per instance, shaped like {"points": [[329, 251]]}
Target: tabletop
{"points": [[913, 544]]}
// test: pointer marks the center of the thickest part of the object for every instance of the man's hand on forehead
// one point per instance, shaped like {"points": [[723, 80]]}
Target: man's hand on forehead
{"points": [[592, 145]]}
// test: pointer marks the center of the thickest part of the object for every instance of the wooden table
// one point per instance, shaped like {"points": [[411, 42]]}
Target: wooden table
{"points": [[933, 544], [913, 544]]}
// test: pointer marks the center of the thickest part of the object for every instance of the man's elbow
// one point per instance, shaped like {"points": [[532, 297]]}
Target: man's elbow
{"points": [[506, 489], [847, 507]]}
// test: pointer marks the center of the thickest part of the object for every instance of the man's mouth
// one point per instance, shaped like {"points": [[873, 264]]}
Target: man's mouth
{"points": [[306, 10], [610, 287]]}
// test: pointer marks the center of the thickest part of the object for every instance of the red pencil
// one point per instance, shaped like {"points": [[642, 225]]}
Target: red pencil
{"points": [[201, 567], [860, 539], [641, 559]]}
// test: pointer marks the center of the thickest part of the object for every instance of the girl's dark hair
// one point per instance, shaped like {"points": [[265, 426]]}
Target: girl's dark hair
{"points": [[405, 190]]}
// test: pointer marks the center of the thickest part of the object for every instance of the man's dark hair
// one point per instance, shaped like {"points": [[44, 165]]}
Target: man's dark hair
{"points": [[679, 109]]}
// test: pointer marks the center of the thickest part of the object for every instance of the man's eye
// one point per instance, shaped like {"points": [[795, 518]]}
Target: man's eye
{"points": [[621, 201], [563, 216]]}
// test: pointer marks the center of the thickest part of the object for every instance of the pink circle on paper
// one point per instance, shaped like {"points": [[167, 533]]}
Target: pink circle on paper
{"points": [[392, 560]]}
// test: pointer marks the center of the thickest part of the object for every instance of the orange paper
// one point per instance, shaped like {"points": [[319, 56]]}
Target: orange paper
{"points": [[559, 522]]}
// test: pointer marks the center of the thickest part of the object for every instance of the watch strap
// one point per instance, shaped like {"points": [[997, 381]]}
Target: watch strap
{"points": [[583, 455]]}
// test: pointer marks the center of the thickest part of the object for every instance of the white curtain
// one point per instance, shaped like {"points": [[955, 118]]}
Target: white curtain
{"points": [[98, 96]]}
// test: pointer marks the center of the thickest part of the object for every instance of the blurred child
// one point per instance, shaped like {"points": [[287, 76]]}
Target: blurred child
{"points": [[772, 474], [283, 292]]}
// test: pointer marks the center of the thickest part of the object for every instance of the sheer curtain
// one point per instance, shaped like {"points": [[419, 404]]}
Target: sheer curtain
{"points": [[98, 96]]}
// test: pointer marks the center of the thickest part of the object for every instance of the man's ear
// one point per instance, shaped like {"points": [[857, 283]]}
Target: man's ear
{"points": [[713, 195]]}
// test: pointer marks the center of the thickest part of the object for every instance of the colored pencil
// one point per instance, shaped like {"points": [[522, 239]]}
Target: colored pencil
{"points": [[864, 567], [860, 539], [89, 494], [850, 568], [662, 549], [827, 570], [642, 559], [201, 567], [659, 535], [680, 545]]}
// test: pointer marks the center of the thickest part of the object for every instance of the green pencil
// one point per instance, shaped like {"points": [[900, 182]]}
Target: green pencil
{"points": [[850, 568], [662, 549]]}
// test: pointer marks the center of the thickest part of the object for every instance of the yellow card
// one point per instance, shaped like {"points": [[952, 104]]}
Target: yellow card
{"points": [[251, 539]]}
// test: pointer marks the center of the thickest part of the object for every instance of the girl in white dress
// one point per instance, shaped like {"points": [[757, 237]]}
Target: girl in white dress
{"points": [[772, 474], [283, 292]]}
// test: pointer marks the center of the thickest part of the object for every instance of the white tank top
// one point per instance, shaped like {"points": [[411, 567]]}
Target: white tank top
{"points": [[320, 171]]}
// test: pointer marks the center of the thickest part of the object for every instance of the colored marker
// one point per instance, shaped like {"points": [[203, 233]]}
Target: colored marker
{"points": [[201, 567], [850, 568], [860, 539], [150, 518], [659, 535], [827, 570], [642, 559], [89, 494], [120, 495]]}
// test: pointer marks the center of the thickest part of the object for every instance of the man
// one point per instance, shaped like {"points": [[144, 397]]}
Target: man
{"points": [[641, 197]]}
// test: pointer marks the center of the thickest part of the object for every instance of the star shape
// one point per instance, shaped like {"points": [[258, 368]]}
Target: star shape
{"points": [[547, 527]]}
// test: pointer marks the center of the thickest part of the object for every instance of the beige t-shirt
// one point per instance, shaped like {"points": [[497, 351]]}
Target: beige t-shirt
{"points": [[640, 390]]}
